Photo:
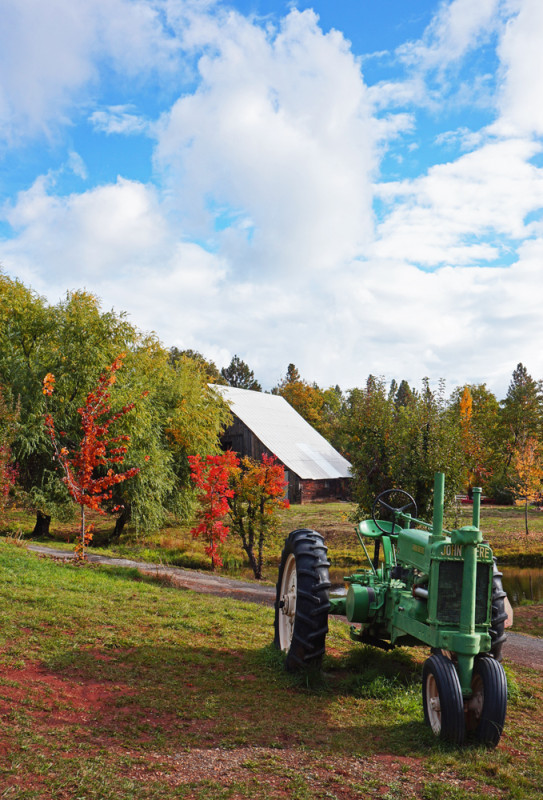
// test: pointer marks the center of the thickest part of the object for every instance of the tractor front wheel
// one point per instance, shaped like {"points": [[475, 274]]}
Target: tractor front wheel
{"points": [[485, 710], [302, 599], [442, 699]]}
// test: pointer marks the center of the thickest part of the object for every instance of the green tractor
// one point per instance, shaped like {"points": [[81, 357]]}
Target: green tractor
{"points": [[423, 586]]}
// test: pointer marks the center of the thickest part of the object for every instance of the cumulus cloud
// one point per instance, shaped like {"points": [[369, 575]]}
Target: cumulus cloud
{"points": [[51, 55], [279, 135], [441, 217], [521, 56], [257, 235], [455, 29]]}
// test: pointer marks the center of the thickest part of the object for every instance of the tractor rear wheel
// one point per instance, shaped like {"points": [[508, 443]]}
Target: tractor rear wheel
{"points": [[485, 712], [499, 615], [302, 599], [442, 699]]}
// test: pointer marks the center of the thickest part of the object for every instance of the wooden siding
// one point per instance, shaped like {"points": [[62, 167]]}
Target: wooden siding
{"points": [[239, 438]]}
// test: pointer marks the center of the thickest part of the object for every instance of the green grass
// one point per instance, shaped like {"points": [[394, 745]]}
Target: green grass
{"points": [[111, 688], [503, 527]]}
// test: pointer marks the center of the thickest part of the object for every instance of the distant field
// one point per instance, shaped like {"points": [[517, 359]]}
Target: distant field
{"points": [[114, 687], [502, 526]]}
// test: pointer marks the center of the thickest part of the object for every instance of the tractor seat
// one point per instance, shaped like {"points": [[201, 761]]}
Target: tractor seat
{"points": [[368, 528]]}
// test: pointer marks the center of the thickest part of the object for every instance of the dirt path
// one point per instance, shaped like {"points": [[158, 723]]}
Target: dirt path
{"points": [[524, 650]]}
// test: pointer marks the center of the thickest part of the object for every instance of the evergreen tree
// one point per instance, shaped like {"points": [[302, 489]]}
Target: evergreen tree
{"points": [[522, 409], [239, 375]]}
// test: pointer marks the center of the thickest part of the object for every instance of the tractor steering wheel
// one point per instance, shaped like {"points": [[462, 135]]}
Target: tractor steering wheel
{"points": [[393, 510]]}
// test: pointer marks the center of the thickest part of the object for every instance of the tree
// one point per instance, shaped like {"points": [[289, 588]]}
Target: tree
{"points": [[89, 469], [308, 400], [366, 431], [527, 462], [401, 445], [179, 416], [426, 439], [207, 367], [258, 489], [239, 375], [478, 468], [75, 340], [522, 409], [8, 470], [72, 340], [404, 395], [211, 477]]}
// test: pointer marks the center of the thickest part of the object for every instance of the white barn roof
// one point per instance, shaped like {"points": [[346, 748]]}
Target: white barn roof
{"points": [[286, 434]]}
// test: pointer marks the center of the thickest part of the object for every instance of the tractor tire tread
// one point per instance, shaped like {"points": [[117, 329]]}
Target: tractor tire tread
{"points": [[499, 614], [490, 726], [312, 598]]}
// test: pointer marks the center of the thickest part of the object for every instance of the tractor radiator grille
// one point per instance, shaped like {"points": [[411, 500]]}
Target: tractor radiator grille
{"points": [[450, 592]]}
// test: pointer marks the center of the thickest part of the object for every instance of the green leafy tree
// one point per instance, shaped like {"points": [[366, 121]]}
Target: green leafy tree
{"points": [[426, 439], [478, 412], [366, 431], [239, 375], [207, 367], [401, 445], [75, 341]]}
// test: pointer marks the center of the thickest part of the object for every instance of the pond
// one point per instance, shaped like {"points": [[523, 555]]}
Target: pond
{"points": [[520, 583], [523, 583]]}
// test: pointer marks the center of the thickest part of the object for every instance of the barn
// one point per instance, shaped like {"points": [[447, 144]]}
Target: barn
{"points": [[267, 423]]}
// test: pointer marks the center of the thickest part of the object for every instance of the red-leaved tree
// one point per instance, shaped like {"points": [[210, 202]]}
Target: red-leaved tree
{"points": [[248, 492], [89, 469], [9, 418], [8, 476], [211, 477]]}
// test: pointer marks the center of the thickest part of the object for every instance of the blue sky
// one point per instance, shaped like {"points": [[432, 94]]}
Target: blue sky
{"points": [[354, 187]]}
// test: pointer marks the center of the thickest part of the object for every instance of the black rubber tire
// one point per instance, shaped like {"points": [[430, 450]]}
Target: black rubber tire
{"points": [[312, 603], [440, 682], [498, 616], [486, 719]]}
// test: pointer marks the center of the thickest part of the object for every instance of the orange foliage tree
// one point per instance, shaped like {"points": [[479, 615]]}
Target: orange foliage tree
{"points": [[527, 462], [475, 456], [258, 490], [89, 469]]}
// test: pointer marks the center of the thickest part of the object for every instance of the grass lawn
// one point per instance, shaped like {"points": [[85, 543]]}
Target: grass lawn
{"points": [[112, 687]]}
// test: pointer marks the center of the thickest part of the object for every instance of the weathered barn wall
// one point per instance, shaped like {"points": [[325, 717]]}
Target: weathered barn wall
{"points": [[239, 438]]}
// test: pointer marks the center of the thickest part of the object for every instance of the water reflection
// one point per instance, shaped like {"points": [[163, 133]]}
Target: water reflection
{"points": [[523, 583]]}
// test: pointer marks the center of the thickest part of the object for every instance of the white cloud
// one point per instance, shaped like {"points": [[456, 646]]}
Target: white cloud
{"points": [[455, 29], [119, 120], [51, 54], [279, 130], [521, 54], [258, 237], [488, 192], [77, 165]]}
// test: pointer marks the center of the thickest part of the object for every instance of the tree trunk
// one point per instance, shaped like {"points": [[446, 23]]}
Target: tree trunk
{"points": [[41, 528], [526, 515], [120, 522]]}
